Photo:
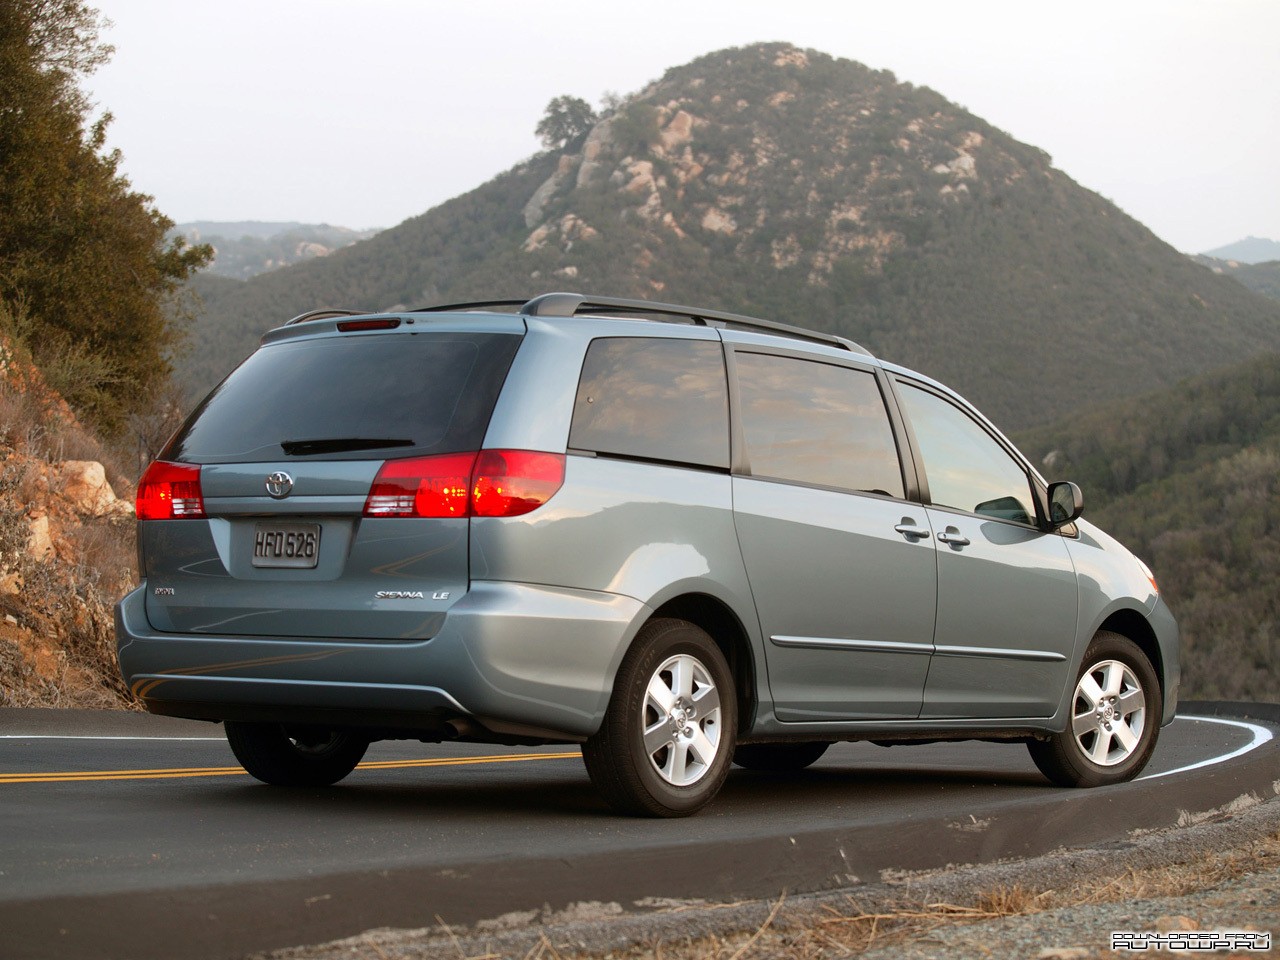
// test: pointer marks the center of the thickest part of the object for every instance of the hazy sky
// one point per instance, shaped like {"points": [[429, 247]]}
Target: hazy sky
{"points": [[366, 113]]}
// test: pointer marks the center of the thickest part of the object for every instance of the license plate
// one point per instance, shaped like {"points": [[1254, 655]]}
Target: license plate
{"points": [[286, 545]]}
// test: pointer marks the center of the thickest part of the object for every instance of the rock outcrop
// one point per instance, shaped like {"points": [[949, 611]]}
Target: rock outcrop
{"points": [[66, 549]]}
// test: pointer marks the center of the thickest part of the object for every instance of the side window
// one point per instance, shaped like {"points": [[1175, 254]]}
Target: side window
{"points": [[967, 469], [816, 423], [654, 399]]}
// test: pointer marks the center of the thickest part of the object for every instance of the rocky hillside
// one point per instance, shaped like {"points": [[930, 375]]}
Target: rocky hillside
{"points": [[785, 183], [66, 549]]}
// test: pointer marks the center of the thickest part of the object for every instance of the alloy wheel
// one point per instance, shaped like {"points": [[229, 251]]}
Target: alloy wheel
{"points": [[681, 720], [1109, 714]]}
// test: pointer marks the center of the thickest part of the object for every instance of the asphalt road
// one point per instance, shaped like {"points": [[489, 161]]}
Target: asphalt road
{"points": [[125, 835]]}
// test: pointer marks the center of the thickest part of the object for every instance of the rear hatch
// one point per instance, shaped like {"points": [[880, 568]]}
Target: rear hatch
{"points": [[287, 542]]}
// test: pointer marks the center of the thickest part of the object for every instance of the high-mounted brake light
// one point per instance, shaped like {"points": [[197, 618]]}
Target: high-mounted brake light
{"points": [[385, 323], [170, 491], [491, 483]]}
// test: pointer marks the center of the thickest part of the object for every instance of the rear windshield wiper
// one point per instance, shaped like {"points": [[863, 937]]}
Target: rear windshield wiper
{"points": [[300, 448]]}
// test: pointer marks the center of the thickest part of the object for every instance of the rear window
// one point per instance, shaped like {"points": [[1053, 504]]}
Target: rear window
{"points": [[654, 399], [366, 397]]}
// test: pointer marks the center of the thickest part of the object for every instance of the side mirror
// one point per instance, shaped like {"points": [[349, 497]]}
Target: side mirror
{"points": [[1066, 503]]}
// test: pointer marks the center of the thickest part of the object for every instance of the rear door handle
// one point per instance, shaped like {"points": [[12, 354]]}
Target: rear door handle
{"points": [[910, 530], [954, 537]]}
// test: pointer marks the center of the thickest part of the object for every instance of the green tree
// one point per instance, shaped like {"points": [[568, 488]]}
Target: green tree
{"points": [[82, 253], [566, 119]]}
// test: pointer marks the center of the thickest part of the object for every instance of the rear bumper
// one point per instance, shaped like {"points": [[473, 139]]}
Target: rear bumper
{"points": [[521, 659]]}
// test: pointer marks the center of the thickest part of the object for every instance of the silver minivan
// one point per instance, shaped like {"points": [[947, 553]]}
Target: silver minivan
{"points": [[681, 538]]}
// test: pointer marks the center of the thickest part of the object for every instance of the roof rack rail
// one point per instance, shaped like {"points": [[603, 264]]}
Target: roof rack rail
{"points": [[573, 304], [463, 307], [324, 313]]}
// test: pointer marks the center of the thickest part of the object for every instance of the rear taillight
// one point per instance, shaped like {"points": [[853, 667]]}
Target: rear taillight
{"points": [[491, 483], [509, 483], [170, 491], [422, 487]]}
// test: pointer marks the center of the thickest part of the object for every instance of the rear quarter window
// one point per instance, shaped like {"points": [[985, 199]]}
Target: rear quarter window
{"points": [[654, 399]]}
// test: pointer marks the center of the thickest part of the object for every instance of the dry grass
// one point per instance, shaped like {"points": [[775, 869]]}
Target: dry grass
{"points": [[20, 684], [58, 649], [847, 931], [71, 602], [36, 422], [1178, 879]]}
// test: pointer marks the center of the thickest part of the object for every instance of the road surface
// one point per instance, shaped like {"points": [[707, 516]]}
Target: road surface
{"points": [[125, 835]]}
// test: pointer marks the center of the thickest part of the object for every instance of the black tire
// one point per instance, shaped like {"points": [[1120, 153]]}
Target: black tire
{"points": [[779, 757], [636, 781], [1090, 752], [295, 756]]}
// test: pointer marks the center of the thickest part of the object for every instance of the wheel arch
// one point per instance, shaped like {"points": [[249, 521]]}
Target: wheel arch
{"points": [[726, 630], [1134, 626]]}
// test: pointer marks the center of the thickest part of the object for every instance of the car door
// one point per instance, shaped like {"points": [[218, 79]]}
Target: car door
{"points": [[1007, 591], [841, 564]]}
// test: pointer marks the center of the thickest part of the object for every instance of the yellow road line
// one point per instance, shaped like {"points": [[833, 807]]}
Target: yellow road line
{"points": [[460, 761], [175, 773]]}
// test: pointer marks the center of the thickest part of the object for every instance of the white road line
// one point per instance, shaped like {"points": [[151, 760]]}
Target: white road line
{"points": [[1260, 736], [69, 736]]}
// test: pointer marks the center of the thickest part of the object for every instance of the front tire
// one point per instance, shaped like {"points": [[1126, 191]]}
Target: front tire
{"points": [[294, 756], [664, 747], [779, 757], [1115, 718]]}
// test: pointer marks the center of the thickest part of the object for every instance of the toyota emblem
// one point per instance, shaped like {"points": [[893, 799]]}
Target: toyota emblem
{"points": [[279, 485]]}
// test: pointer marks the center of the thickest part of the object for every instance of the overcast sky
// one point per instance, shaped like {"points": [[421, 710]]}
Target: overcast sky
{"points": [[366, 113]]}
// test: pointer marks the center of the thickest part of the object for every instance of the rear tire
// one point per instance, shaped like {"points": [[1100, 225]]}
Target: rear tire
{"points": [[779, 757], [1114, 719], [664, 747], [295, 756]]}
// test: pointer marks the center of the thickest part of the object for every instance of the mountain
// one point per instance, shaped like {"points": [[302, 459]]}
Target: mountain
{"points": [[784, 183], [247, 248], [1189, 479], [1248, 250], [257, 229], [1263, 278]]}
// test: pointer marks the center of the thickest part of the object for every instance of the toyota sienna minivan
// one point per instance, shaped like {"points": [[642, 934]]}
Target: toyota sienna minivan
{"points": [[680, 538]]}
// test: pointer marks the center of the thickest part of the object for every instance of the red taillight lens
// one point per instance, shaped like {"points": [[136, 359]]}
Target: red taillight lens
{"points": [[422, 487], [491, 483], [509, 483], [170, 491]]}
